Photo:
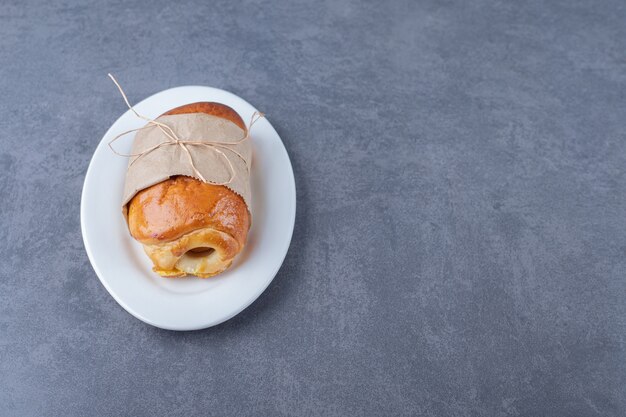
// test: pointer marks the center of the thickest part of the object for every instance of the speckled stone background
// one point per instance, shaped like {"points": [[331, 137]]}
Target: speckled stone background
{"points": [[460, 240]]}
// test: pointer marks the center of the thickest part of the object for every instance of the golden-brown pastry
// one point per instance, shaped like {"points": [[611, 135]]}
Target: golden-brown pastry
{"points": [[187, 226]]}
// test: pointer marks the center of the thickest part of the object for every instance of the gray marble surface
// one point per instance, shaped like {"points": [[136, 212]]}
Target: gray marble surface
{"points": [[460, 239]]}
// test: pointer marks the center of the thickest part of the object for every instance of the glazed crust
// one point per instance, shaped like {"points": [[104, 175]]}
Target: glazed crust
{"points": [[172, 208], [177, 215], [215, 109]]}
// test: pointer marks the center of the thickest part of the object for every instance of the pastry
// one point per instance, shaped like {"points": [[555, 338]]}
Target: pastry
{"points": [[188, 226]]}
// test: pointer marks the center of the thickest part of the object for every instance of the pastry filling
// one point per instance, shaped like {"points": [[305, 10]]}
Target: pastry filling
{"points": [[200, 252], [199, 260]]}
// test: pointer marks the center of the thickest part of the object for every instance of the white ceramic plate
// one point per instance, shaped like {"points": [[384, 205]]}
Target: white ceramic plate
{"points": [[125, 270]]}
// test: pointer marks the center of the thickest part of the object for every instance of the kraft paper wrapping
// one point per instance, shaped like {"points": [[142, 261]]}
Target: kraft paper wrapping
{"points": [[168, 160]]}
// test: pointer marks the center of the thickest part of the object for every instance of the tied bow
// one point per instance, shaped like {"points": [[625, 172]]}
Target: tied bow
{"points": [[173, 140]]}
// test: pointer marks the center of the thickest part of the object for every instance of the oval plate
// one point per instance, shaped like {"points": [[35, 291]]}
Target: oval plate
{"points": [[124, 269]]}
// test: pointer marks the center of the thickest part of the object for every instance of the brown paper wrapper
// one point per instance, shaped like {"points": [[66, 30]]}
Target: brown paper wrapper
{"points": [[169, 160]]}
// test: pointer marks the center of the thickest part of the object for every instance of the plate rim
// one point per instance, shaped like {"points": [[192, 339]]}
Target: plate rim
{"points": [[96, 268]]}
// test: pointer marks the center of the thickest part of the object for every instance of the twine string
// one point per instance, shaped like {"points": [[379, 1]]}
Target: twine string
{"points": [[173, 139]]}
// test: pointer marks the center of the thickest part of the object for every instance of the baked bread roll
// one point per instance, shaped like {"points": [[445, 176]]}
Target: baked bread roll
{"points": [[187, 226]]}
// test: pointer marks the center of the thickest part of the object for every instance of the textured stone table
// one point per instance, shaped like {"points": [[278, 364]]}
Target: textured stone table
{"points": [[460, 242]]}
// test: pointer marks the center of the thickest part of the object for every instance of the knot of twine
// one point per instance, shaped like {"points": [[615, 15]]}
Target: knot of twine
{"points": [[173, 139]]}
